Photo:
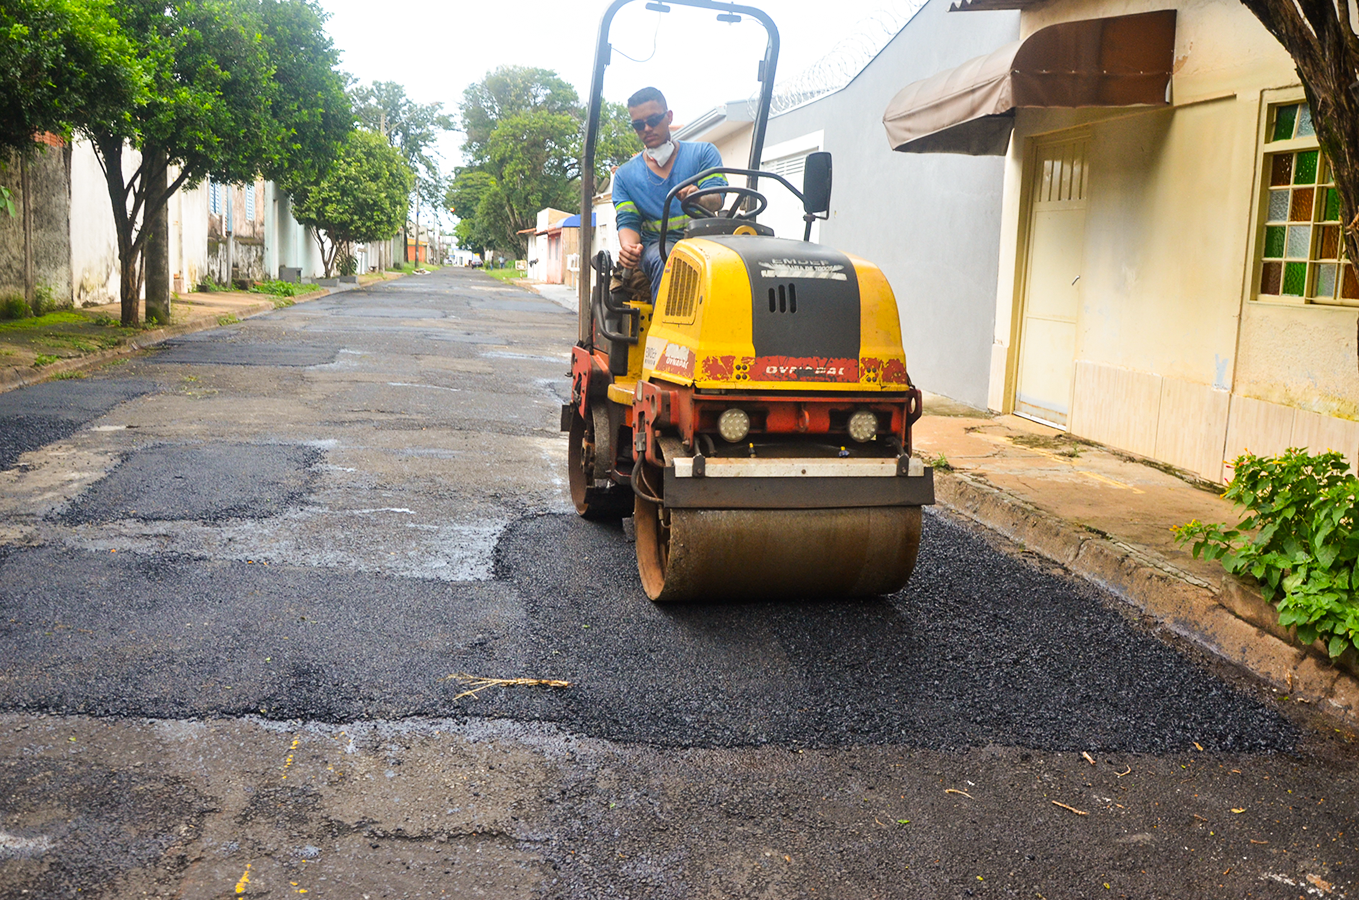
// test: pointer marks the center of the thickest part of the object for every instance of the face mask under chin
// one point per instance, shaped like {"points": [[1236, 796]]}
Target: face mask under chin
{"points": [[661, 155]]}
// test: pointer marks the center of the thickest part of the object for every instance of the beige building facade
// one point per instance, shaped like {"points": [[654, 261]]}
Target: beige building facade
{"points": [[1171, 280]]}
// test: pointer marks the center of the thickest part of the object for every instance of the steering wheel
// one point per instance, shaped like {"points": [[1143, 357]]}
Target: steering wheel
{"points": [[691, 207]]}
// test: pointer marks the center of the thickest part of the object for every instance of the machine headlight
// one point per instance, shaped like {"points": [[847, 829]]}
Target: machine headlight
{"points": [[733, 425], [863, 426]]}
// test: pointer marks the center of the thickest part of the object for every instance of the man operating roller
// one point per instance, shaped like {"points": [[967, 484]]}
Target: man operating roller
{"points": [[641, 184]]}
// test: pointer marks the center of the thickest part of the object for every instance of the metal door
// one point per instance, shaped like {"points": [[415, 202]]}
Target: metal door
{"points": [[1052, 289]]}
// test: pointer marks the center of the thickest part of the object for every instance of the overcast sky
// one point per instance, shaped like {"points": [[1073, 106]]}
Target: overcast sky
{"points": [[436, 48]]}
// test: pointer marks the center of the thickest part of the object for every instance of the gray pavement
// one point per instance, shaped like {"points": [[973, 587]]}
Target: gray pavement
{"points": [[239, 576]]}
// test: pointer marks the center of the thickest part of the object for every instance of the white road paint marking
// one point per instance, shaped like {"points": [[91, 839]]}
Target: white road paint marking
{"points": [[13, 845]]}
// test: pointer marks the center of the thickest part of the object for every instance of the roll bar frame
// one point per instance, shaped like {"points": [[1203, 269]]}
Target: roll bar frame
{"points": [[603, 54]]}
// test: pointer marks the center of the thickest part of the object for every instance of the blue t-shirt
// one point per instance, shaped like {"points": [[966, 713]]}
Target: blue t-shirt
{"points": [[639, 194]]}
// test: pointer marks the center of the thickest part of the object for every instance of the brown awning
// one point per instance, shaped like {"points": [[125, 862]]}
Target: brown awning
{"points": [[1116, 61]]}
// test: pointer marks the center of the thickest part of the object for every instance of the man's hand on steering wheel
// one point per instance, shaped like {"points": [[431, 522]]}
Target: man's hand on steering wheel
{"points": [[712, 202]]}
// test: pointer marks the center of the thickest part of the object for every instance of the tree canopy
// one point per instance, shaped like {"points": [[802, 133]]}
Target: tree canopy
{"points": [[64, 65], [524, 129], [236, 89], [361, 198]]}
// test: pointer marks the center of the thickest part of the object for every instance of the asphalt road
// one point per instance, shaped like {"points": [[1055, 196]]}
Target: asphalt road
{"points": [[239, 575]]}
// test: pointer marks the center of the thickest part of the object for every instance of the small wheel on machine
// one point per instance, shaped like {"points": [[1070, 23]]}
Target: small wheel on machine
{"points": [[584, 463], [652, 523]]}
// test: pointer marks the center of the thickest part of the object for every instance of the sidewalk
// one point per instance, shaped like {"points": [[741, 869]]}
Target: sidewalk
{"points": [[66, 343], [1106, 516]]}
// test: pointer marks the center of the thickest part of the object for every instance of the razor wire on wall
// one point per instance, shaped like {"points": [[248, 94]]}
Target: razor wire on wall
{"points": [[846, 60]]}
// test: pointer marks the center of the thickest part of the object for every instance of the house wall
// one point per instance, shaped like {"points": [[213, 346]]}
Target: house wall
{"points": [[94, 237], [931, 221], [1174, 357], [49, 207], [188, 218]]}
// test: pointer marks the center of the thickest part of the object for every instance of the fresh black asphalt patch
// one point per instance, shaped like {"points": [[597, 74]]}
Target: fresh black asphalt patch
{"points": [[34, 417], [981, 649], [215, 349], [199, 482]]}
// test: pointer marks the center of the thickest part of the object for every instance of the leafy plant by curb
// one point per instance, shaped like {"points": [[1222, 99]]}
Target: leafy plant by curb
{"points": [[282, 288], [1299, 540]]}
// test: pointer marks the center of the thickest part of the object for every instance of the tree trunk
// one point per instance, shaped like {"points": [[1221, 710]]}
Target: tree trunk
{"points": [[158, 242]]}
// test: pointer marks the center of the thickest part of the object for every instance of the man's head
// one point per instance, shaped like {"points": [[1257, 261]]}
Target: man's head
{"points": [[650, 117]]}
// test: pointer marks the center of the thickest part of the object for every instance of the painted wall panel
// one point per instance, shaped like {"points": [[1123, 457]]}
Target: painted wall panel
{"points": [[1300, 356], [1192, 427], [1116, 406]]}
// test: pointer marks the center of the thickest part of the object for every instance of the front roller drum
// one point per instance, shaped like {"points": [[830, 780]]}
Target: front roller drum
{"points": [[700, 554]]}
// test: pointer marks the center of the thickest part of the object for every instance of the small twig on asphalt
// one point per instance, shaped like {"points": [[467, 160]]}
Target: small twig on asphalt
{"points": [[1088, 758], [956, 791], [1121, 774], [480, 684], [1199, 817], [1070, 808]]}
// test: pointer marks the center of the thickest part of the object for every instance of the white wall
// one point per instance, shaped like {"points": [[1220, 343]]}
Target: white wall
{"points": [[94, 239]]}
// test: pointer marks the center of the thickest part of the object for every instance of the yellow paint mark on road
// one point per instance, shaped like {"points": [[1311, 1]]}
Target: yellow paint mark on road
{"points": [[289, 761], [245, 880], [1067, 461]]}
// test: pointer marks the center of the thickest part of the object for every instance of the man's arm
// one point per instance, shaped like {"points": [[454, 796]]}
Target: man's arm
{"points": [[628, 222], [629, 248]]}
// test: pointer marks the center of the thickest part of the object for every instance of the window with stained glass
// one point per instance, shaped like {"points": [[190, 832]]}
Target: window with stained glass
{"points": [[1303, 256]]}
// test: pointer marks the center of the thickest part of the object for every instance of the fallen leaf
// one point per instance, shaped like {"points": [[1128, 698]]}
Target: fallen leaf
{"points": [[1198, 746], [1240, 810], [1316, 882]]}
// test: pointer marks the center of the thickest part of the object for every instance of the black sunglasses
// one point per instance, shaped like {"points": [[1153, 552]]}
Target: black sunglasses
{"points": [[648, 122]]}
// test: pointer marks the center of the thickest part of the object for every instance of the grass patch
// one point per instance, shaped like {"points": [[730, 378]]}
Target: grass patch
{"points": [[67, 376], [282, 288], [80, 343], [507, 274], [941, 463], [61, 317], [227, 320], [45, 359]]}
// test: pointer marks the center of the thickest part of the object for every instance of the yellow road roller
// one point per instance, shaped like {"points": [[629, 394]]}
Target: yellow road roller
{"points": [[756, 423]]}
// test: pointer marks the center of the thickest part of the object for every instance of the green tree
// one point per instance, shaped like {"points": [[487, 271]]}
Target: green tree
{"points": [[617, 142], [410, 127], [477, 230], [361, 198], [64, 65], [525, 130], [506, 92], [238, 89], [533, 157]]}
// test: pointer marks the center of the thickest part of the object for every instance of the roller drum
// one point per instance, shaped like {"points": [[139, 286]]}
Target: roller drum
{"points": [[698, 554]]}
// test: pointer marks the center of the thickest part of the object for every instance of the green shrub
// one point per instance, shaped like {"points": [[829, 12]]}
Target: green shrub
{"points": [[45, 301], [14, 307], [282, 288], [347, 264], [1299, 539], [45, 359]]}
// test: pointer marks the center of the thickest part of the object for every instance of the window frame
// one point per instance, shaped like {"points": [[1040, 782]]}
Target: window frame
{"points": [[1265, 150]]}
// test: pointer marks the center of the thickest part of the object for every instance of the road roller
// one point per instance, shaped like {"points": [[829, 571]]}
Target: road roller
{"points": [[755, 422]]}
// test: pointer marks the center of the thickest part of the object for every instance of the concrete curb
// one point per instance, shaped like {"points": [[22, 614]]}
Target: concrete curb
{"points": [[22, 377], [1202, 613]]}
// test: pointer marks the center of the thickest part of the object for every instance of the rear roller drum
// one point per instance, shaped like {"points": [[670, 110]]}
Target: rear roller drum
{"points": [[587, 461], [697, 554]]}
